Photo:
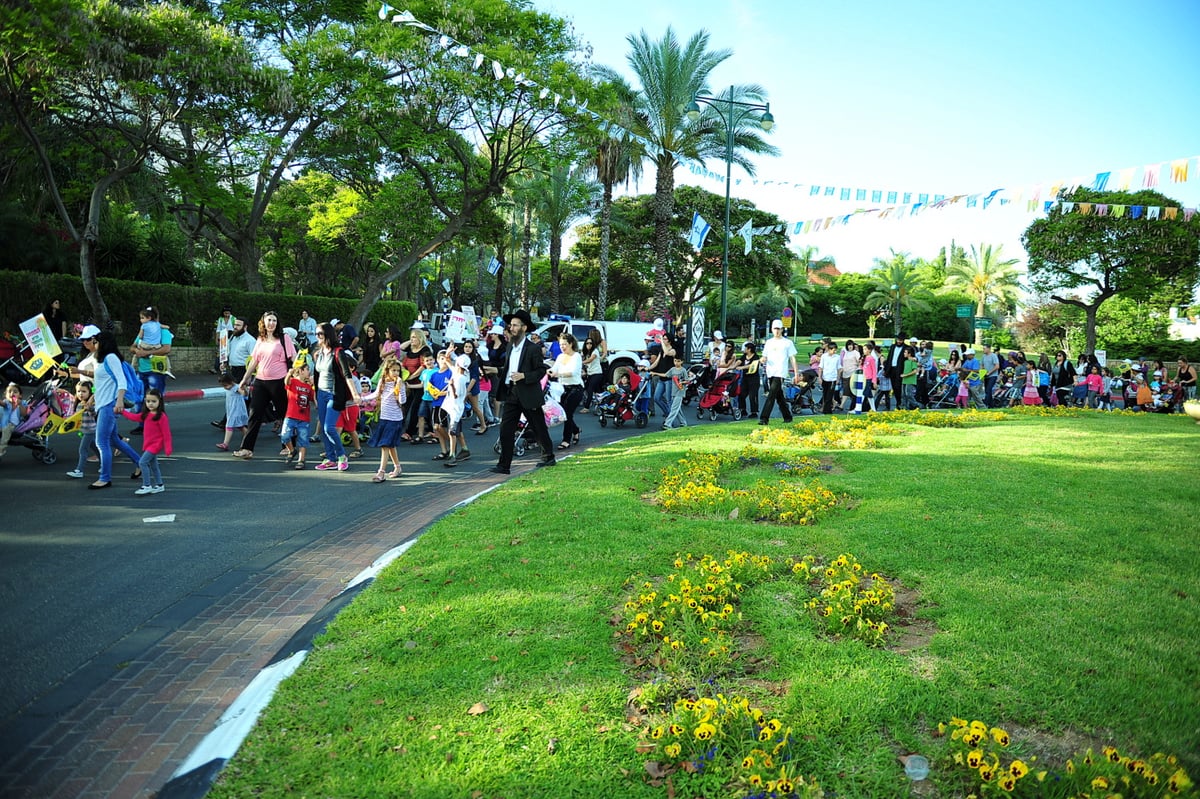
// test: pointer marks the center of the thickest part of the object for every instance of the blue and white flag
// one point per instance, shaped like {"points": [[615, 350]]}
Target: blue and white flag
{"points": [[493, 266], [699, 232], [746, 231]]}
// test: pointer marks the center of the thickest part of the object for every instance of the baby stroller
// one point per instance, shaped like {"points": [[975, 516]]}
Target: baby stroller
{"points": [[620, 405], [944, 392], [48, 407], [699, 378], [800, 397], [721, 396], [553, 413]]}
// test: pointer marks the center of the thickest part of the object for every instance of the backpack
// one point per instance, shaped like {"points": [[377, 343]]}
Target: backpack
{"points": [[135, 392]]}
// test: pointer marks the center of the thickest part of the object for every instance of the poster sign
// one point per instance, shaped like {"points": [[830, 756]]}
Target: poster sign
{"points": [[472, 323], [456, 327], [39, 336], [39, 364]]}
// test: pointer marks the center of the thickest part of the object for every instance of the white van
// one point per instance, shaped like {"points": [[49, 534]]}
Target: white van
{"points": [[626, 340]]}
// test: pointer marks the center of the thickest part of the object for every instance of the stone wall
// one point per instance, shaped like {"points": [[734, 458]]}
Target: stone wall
{"points": [[192, 360]]}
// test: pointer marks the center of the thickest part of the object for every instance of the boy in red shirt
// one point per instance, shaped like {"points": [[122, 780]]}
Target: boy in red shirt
{"points": [[301, 396]]}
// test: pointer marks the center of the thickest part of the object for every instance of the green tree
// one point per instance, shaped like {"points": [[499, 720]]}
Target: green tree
{"points": [[671, 76], [561, 195], [985, 278], [1084, 259], [896, 285]]}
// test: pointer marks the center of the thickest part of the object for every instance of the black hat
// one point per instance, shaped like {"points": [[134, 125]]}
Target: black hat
{"points": [[521, 314]]}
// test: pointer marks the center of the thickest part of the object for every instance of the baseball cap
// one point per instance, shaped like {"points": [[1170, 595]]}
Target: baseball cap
{"points": [[718, 334], [417, 325], [497, 330], [778, 323], [463, 361], [334, 321], [90, 331], [970, 350]]}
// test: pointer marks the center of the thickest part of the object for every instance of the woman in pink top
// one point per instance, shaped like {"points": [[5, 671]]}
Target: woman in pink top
{"points": [[269, 364], [870, 367]]}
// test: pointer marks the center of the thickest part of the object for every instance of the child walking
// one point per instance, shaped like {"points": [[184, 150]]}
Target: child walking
{"points": [[678, 375], [87, 427], [156, 438], [301, 397], [964, 390], [454, 405], [236, 415], [386, 434]]}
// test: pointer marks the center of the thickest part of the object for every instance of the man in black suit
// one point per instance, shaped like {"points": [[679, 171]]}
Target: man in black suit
{"points": [[520, 369]]}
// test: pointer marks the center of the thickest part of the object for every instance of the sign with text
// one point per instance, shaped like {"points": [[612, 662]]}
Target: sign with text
{"points": [[982, 323], [963, 311]]}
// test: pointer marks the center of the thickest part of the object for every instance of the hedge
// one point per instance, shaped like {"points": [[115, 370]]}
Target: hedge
{"points": [[25, 294]]}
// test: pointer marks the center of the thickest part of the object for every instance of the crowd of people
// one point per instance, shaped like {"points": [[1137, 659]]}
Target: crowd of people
{"points": [[320, 383]]}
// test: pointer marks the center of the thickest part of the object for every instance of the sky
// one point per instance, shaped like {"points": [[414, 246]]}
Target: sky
{"points": [[937, 97]]}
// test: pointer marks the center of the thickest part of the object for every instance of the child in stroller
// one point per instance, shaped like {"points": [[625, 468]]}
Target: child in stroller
{"points": [[800, 396], [721, 396], [30, 424], [628, 398]]}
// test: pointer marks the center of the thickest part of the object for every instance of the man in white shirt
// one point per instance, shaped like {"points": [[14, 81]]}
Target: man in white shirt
{"points": [[777, 353]]}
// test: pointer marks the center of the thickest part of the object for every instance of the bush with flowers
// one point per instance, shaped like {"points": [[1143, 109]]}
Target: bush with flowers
{"points": [[726, 741], [969, 418], [691, 486], [981, 753], [850, 602], [834, 433]]}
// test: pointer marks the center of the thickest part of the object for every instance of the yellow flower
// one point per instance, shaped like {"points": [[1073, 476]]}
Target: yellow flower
{"points": [[764, 734], [986, 772], [656, 625], [784, 786], [705, 731], [1100, 783], [747, 762], [774, 725], [675, 729], [1111, 754], [974, 758], [672, 750], [755, 780], [656, 733], [1179, 782], [1018, 769]]}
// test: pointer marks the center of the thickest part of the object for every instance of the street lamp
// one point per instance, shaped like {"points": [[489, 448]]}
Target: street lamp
{"points": [[732, 113]]}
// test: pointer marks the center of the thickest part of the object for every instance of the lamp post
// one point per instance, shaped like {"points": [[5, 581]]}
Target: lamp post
{"points": [[732, 113]]}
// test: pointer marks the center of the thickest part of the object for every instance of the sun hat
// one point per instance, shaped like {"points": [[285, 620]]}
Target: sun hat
{"points": [[718, 334], [417, 325]]}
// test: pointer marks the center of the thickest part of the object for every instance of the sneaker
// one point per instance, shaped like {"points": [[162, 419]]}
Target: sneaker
{"points": [[75, 473], [144, 490], [342, 464], [158, 489], [450, 462], [170, 374], [326, 465], [465, 455]]}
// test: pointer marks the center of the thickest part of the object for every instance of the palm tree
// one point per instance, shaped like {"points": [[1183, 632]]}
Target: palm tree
{"points": [[615, 159], [986, 278], [561, 195], [671, 76], [896, 285]]}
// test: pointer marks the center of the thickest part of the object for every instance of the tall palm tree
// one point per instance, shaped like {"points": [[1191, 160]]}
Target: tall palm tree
{"points": [[615, 159], [561, 194], [671, 75], [896, 284], [986, 278]]}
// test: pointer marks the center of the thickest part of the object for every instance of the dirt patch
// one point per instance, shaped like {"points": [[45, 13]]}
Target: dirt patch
{"points": [[911, 633]]}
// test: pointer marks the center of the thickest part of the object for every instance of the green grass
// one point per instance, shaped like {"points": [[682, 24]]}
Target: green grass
{"points": [[1056, 558]]}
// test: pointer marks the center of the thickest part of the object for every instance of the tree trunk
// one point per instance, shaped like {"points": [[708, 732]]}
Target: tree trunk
{"points": [[664, 208], [555, 275], [979, 309], [605, 239], [91, 235], [498, 299], [1090, 329], [526, 255]]}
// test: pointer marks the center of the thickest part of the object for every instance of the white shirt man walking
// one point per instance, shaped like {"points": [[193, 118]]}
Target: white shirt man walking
{"points": [[777, 353]]}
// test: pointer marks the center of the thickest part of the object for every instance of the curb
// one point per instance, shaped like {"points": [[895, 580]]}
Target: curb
{"points": [[193, 394], [198, 773]]}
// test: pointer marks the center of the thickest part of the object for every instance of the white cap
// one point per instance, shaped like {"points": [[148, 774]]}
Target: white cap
{"points": [[334, 321], [970, 350], [289, 331], [1157, 373], [643, 362], [90, 331], [778, 323], [417, 325], [718, 334], [915, 340], [658, 324], [497, 329], [463, 361], [1127, 362]]}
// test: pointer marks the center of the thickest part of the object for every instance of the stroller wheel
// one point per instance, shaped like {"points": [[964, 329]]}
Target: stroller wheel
{"points": [[699, 413], [603, 421], [640, 420], [49, 457], [519, 448], [737, 413], [37, 454], [618, 422], [496, 447], [712, 416], [345, 438]]}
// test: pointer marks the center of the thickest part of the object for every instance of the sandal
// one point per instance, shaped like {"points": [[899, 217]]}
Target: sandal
{"points": [[136, 475], [414, 441], [442, 456], [565, 445], [245, 454], [379, 477], [355, 454], [223, 446], [299, 466], [394, 473]]}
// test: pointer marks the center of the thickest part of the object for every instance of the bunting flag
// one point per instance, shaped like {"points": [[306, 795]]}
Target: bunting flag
{"points": [[746, 231], [899, 201], [699, 232], [493, 266]]}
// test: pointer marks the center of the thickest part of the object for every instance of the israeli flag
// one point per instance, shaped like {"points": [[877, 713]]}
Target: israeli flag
{"points": [[699, 232], [493, 266], [746, 231]]}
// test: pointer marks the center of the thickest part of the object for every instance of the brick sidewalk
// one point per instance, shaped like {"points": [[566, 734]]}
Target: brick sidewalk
{"points": [[128, 737]]}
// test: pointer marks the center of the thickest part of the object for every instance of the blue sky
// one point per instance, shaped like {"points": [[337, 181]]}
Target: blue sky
{"points": [[938, 97]]}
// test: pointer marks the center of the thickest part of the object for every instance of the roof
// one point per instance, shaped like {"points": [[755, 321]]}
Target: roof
{"points": [[823, 273]]}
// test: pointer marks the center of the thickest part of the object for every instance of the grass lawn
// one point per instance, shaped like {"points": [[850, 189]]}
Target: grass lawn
{"points": [[1051, 564]]}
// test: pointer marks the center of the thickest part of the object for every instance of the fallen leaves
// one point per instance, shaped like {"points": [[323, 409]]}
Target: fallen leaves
{"points": [[478, 709]]}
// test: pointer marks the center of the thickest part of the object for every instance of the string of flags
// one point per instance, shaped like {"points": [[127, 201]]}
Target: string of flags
{"points": [[889, 203]]}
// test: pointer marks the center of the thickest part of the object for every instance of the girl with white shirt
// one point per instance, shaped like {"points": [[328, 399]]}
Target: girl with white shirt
{"points": [[568, 369]]}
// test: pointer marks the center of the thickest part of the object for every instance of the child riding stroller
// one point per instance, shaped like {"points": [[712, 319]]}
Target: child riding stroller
{"points": [[48, 407], [721, 396], [800, 397], [628, 398]]}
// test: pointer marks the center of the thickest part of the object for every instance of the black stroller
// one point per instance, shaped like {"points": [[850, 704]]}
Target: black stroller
{"points": [[800, 397]]}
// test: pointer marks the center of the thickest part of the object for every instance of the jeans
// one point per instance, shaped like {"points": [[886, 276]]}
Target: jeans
{"points": [[107, 439], [570, 401], [675, 418], [151, 473], [87, 445], [989, 390], [331, 437], [663, 389]]}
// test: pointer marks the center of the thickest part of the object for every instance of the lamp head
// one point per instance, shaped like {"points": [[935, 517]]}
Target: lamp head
{"points": [[692, 110], [767, 121]]}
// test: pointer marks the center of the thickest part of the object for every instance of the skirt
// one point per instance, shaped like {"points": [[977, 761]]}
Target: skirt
{"points": [[386, 433]]}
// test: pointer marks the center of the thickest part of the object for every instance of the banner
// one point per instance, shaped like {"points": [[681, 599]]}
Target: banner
{"points": [[699, 232], [39, 336]]}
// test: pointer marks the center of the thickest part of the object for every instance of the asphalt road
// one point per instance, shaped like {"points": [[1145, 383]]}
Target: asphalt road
{"points": [[87, 584]]}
